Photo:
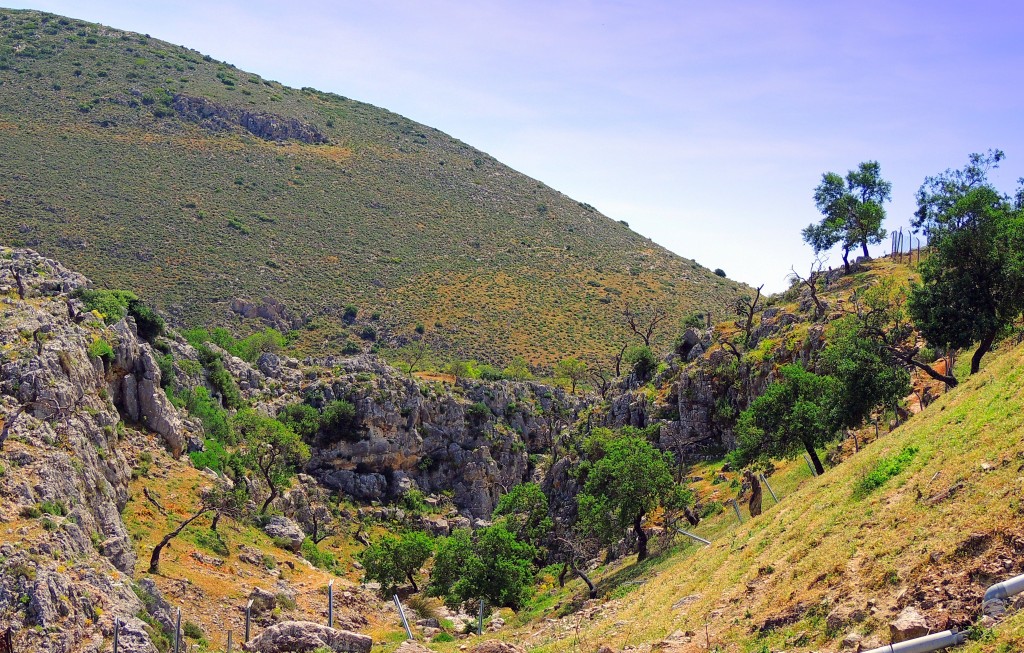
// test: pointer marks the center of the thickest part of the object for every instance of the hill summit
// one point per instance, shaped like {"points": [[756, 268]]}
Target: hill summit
{"points": [[206, 188]]}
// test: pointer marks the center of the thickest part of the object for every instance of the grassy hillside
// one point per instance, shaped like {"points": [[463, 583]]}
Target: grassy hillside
{"points": [[927, 516], [110, 166]]}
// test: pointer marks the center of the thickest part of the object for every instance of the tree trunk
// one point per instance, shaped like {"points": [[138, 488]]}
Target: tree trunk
{"points": [[814, 458], [216, 519], [983, 347], [266, 504], [562, 574], [641, 538], [864, 245], [846, 260], [154, 560], [412, 582], [586, 579]]}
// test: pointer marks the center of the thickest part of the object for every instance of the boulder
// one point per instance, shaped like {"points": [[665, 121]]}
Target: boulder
{"points": [[284, 530], [494, 646], [909, 625], [262, 600], [304, 636], [412, 647]]}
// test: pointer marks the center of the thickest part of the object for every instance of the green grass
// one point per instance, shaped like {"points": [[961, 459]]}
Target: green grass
{"points": [[884, 469], [390, 216]]}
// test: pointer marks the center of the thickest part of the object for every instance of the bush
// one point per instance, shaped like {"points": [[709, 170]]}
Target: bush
{"points": [[213, 456], [167, 374], [111, 304], [349, 315], [642, 360], [53, 508], [100, 348], [884, 469], [338, 422], [478, 412], [192, 630], [318, 558], [301, 418], [720, 272]]}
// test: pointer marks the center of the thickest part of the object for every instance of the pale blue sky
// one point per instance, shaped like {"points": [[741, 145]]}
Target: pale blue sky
{"points": [[705, 125]]}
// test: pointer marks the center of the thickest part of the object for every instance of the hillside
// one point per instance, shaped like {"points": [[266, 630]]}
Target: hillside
{"points": [[833, 561], [152, 167]]}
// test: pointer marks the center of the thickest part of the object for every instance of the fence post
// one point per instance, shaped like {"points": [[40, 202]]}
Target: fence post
{"points": [[810, 465], [330, 604], [480, 619], [770, 490], [177, 633], [736, 507], [117, 627], [692, 536], [401, 613], [229, 641], [248, 620]]}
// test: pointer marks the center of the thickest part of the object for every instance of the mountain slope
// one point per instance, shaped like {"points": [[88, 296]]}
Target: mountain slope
{"points": [[149, 166], [841, 555]]}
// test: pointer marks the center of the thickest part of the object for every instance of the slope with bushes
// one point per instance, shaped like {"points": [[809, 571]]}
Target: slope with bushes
{"points": [[199, 186]]}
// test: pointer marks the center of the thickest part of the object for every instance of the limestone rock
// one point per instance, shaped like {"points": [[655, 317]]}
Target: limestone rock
{"points": [[282, 528], [412, 647], [495, 646], [262, 600], [909, 625], [304, 636]]}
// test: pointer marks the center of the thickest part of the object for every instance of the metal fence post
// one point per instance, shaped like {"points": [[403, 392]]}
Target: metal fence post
{"points": [[330, 604], [691, 535], [480, 619], [248, 621], [736, 507], [401, 613], [810, 465], [117, 627], [229, 641], [770, 490], [177, 633]]}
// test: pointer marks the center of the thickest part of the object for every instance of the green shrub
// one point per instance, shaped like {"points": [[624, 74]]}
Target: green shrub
{"points": [[642, 360], [286, 602], [213, 456], [192, 630], [53, 508], [100, 348], [478, 411], [167, 374], [885, 469], [318, 558], [111, 304], [30, 512], [301, 418], [442, 637], [338, 422]]}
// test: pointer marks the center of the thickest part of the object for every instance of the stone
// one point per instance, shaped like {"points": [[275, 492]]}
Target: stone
{"points": [[852, 641], [412, 647], [305, 636], [909, 625], [262, 601], [285, 530], [495, 646]]}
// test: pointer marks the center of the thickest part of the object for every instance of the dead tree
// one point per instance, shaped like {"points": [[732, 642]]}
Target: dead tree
{"points": [[644, 322], [154, 560], [811, 283], [573, 550], [747, 309]]}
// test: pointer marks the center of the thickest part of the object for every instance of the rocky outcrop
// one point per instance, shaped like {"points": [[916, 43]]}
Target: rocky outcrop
{"points": [[285, 531], [67, 569], [218, 118], [271, 311], [303, 636]]}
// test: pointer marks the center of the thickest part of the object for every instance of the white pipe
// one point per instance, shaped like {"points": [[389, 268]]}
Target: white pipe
{"points": [[1000, 592], [924, 644]]}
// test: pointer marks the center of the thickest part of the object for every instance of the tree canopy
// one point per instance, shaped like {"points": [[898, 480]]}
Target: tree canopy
{"points": [[972, 283], [853, 211], [797, 411], [491, 564], [268, 448], [625, 484], [391, 560], [524, 509]]}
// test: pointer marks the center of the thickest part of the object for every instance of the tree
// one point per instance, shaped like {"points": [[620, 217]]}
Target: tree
{"points": [[524, 510], [572, 370], [852, 208], [391, 559], [301, 418], [414, 352], [866, 373], [518, 370], [797, 411], [491, 564], [154, 558], [643, 361], [270, 449], [972, 284], [644, 321], [625, 484]]}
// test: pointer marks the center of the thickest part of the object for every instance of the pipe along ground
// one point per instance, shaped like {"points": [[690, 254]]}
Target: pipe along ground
{"points": [[993, 605]]}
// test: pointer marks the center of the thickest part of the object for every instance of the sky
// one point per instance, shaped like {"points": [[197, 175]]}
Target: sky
{"points": [[704, 125]]}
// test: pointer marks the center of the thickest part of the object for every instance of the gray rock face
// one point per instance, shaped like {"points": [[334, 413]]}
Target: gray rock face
{"points": [[302, 636], [59, 413], [282, 528]]}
